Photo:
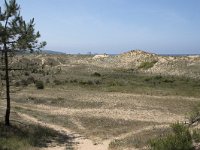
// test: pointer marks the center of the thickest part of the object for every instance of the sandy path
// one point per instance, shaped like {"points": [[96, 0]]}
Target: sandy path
{"points": [[86, 144], [83, 143], [140, 113]]}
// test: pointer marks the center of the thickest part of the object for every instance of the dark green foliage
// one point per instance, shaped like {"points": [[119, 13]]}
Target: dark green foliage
{"points": [[86, 82], [147, 65], [96, 74], [73, 81], [159, 77], [196, 135], [180, 139], [168, 80], [26, 73], [30, 80], [39, 84]]}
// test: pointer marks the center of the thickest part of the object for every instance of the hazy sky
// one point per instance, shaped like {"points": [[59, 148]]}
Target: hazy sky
{"points": [[115, 26]]}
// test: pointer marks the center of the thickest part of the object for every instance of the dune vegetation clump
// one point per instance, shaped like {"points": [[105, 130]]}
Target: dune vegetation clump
{"points": [[179, 139], [147, 65], [39, 85]]}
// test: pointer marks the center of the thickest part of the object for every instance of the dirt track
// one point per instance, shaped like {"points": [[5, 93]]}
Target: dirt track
{"points": [[146, 108], [83, 144]]}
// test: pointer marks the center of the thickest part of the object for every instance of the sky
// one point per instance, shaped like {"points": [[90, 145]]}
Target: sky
{"points": [[116, 26]]}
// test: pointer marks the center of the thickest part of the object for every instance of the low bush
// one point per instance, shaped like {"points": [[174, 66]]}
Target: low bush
{"points": [[194, 116], [180, 139], [168, 80], [158, 77], [96, 74], [147, 65], [24, 82], [87, 82], [196, 135], [39, 84], [30, 79], [26, 73], [73, 81], [58, 82]]}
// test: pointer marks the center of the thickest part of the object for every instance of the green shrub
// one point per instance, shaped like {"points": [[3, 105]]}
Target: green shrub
{"points": [[30, 80], [57, 82], [180, 139], [158, 77], [195, 114], [26, 73], [96, 74], [168, 80], [196, 135], [73, 81], [86, 82], [147, 79], [147, 65], [39, 84], [24, 82]]}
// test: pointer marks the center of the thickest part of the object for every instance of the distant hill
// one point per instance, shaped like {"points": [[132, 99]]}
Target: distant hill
{"points": [[134, 60], [51, 52]]}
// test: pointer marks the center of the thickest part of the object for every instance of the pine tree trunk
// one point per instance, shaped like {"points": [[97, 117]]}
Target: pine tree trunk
{"points": [[7, 116]]}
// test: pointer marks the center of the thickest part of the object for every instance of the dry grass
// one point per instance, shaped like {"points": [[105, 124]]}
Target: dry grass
{"points": [[103, 115], [29, 137], [106, 128], [139, 140]]}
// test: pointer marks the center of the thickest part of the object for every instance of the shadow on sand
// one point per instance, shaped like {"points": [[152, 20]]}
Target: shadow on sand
{"points": [[22, 136]]}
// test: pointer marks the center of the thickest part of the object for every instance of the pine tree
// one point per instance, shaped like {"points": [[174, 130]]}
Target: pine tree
{"points": [[15, 36]]}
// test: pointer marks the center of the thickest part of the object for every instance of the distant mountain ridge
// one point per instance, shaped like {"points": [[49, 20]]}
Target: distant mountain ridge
{"points": [[51, 52]]}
